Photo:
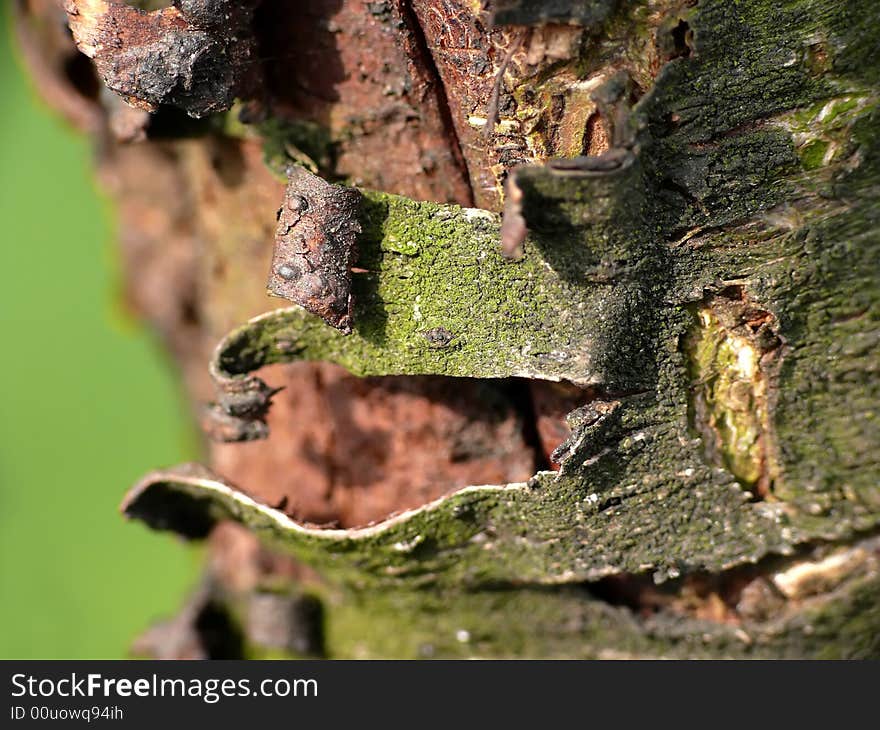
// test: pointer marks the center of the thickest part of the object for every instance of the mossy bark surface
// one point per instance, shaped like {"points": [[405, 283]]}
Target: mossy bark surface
{"points": [[707, 276]]}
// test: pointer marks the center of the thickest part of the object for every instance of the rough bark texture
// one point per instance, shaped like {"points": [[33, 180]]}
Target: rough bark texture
{"points": [[694, 283]]}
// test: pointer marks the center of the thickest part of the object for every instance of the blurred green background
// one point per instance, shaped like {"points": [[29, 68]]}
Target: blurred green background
{"points": [[87, 404]]}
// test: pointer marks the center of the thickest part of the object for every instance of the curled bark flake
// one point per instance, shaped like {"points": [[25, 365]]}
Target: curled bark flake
{"points": [[514, 222], [240, 411], [224, 428], [315, 247], [611, 161], [614, 99], [588, 424], [197, 55], [457, 253]]}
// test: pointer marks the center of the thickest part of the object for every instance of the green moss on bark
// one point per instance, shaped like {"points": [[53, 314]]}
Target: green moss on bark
{"points": [[755, 166]]}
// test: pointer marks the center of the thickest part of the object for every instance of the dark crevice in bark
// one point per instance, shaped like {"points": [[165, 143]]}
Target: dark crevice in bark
{"points": [[641, 595], [745, 592], [595, 139], [218, 633], [425, 59], [168, 123], [80, 73], [523, 401], [682, 39], [670, 185]]}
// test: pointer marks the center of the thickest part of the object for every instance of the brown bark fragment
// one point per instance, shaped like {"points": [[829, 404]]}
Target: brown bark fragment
{"points": [[197, 56], [315, 247]]}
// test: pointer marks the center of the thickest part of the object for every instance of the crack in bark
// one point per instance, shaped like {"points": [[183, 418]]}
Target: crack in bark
{"points": [[524, 403], [422, 58], [748, 596]]}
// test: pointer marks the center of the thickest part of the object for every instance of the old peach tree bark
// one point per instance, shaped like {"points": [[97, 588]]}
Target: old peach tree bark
{"points": [[686, 265]]}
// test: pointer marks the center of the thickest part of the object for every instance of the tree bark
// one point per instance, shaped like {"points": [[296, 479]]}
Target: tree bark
{"points": [[659, 361]]}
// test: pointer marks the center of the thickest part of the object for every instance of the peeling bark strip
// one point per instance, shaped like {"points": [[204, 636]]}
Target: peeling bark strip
{"points": [[477, 539], [315, 247], [517, 211], [430, 274], [198, 55]]}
